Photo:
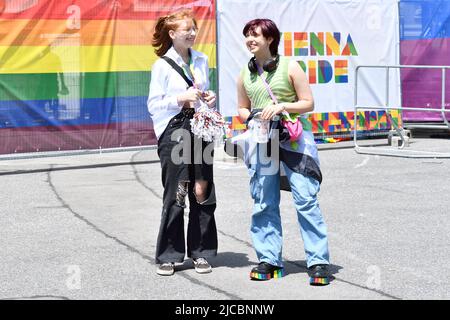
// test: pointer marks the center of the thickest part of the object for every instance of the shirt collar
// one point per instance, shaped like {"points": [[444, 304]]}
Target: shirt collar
{"points": [[171, 53]]}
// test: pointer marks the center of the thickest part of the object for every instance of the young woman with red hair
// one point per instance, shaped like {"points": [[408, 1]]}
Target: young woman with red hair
{"points": [[179, 82]]}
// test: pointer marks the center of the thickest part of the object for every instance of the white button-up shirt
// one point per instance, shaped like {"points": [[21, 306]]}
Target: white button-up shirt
{"points": [[166, 84]]}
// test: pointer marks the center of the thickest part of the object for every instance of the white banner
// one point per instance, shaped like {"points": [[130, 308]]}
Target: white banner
{"points": [[329, 38]]}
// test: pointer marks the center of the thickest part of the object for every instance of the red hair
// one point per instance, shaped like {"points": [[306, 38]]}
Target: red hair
{"points": [[161, 39]]}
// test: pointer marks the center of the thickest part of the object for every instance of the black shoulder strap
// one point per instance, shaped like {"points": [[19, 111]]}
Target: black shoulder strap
{"points": [[178, 69]]}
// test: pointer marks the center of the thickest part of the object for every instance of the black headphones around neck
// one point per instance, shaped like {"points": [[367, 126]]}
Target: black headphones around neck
{"points": [[269, 65]]}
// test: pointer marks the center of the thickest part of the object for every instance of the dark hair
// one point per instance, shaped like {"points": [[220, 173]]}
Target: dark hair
{"points": [[268, 29], [161, 39]]}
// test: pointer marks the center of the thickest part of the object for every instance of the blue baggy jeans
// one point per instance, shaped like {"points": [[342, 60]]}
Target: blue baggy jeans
{"points": [[266, 230]]}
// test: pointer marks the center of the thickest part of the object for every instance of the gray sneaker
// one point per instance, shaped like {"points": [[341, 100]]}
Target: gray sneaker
{"points": [[166, 269], [201, 265]]}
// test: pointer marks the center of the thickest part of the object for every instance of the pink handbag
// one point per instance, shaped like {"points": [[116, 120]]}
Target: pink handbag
{"points": [[295, 129]]}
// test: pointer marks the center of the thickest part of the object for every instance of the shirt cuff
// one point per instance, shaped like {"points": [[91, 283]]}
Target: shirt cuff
{"points": [[173, 103]]}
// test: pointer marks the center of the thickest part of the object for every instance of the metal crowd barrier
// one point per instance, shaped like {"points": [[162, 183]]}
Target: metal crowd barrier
{"points": [[400, 151]]}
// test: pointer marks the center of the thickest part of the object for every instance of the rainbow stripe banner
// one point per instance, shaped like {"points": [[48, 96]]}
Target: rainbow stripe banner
{"points": [[74, 74]]}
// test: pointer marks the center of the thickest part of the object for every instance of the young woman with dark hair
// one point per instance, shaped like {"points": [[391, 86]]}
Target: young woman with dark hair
{"points": [[265, 79], [172, 103]]}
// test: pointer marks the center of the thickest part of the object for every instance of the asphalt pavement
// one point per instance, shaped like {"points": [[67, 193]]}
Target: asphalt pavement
{"points": [[85, 227]]}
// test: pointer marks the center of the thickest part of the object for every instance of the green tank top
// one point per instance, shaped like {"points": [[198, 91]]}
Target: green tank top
{"points": [[278, 81]]}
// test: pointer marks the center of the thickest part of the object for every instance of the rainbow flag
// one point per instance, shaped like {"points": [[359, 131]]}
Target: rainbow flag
{"points": [[74, 74]]}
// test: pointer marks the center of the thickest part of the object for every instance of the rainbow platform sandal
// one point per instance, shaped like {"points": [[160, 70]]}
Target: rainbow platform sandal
{"points": [[266, 271], [319, 275]]}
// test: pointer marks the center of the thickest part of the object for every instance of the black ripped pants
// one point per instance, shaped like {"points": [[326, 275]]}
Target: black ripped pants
{"points": [[201, 230]]}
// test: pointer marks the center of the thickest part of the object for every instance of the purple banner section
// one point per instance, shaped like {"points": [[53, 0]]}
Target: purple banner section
{"points": [[50, 138], [422, 88]]}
